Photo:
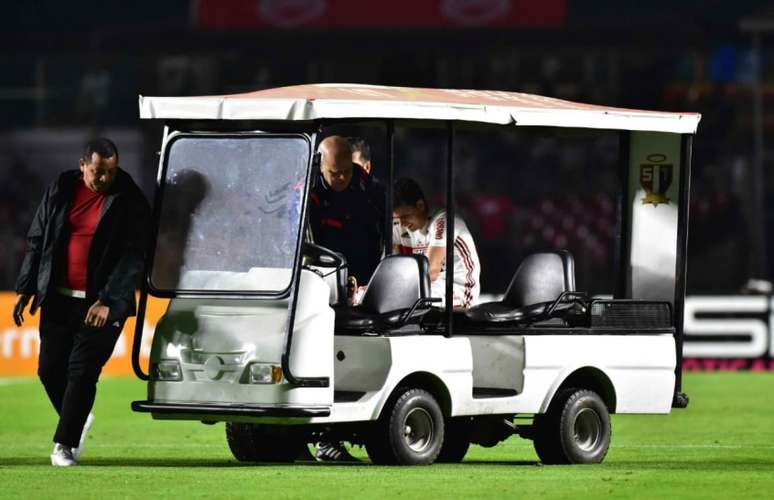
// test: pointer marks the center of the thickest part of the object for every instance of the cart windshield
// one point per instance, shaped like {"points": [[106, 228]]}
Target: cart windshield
{"points": [[230, 213]]}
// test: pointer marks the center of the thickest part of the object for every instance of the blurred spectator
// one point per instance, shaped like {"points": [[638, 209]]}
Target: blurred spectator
{"points": [[19, 194], [361, 153], [507, 188]]}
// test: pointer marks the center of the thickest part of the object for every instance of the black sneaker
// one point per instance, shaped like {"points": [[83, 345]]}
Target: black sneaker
{"points": [[333, 452], [304, 455]]}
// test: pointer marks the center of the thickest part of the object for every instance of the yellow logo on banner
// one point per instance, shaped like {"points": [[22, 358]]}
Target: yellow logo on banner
{"points": [[655, 179]]}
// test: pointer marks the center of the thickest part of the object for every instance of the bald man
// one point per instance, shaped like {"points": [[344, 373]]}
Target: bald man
{"points": [[347, 209], [346, 215]]}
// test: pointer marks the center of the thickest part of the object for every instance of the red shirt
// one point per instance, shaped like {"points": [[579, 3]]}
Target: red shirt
{"points": [[82, 217]]}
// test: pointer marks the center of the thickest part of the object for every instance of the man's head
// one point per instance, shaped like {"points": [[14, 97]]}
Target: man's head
{"points": [[336, 162], [99, 164], [408, 204], [361, 153]]}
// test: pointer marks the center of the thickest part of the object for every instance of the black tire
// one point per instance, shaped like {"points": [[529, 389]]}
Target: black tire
{"points": [[545, 439], [575, 429], [409, 432], [239, 438], [262, 443], [456, 440]]}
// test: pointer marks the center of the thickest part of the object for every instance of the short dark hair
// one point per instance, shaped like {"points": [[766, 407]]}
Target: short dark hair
{"points": [[102, 146], [359, 145], [406, 192]]}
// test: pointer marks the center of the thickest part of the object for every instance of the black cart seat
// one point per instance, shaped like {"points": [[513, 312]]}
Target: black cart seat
{"points": [[540, 279], [397, 284]]}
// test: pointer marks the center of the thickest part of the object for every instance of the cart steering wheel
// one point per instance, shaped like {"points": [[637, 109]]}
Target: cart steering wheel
{"points": [[320, 256]]}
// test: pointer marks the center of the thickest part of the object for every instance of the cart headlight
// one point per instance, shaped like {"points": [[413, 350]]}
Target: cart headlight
{"points": [[262, 373], [169, 370]]}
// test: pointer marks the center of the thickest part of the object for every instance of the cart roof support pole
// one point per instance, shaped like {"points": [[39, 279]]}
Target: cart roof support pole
{"points": [[680, 399], [312, 171], [450, 202], [390, 153]]}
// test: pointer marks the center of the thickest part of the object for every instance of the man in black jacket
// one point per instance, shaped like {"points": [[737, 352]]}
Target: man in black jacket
{"points": [[83, 262], [347, 216], [347, 209]]}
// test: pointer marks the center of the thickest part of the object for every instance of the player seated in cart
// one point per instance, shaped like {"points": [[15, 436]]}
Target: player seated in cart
{"points": [[258, 332], [421, 232]]}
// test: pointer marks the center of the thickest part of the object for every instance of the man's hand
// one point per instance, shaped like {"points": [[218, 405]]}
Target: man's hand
{"points": [[436, 257], [97, 315], [22, 299]]}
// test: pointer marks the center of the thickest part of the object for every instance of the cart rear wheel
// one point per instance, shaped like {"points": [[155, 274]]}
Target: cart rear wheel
{"points": [[574, 430], [456, 440], [410, 431], [263, 443]]}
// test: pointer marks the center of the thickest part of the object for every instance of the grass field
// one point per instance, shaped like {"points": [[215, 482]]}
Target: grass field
{"points": [[722, 446]]}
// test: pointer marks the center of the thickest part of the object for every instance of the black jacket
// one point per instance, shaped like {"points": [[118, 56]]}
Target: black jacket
{"points": [[351, 221], [115, 262]]}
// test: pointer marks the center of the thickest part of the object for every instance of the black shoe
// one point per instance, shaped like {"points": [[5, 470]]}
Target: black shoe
{"points": [[333, 452], [304, 455]]}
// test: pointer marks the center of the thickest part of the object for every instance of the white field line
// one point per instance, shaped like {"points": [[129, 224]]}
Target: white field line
{"points": [[17, 380], [690, 446]]}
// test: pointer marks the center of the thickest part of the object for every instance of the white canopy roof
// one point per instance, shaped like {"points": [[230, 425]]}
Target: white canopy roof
{"points": [[321, 101]]}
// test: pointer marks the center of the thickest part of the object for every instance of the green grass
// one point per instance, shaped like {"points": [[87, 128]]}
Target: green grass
{"points": [[721, 446]]}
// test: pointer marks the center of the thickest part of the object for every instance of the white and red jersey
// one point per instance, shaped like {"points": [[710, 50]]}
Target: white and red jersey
{"points": [[467, 268]]}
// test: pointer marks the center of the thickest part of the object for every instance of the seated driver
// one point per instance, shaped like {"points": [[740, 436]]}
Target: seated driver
{"points": [[422, 233]]}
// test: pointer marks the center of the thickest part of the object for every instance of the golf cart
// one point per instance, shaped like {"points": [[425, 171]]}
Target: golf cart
{"points": [[258, 332]]}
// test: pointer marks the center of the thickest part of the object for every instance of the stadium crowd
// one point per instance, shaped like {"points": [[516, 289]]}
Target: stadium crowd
{"points": [[512, 211]]}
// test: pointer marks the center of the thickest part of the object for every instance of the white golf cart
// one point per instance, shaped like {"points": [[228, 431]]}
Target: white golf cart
{"points": [[258, 332]]}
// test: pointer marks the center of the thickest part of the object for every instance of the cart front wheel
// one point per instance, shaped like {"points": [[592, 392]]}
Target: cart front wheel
{"points": [[263, 443]]}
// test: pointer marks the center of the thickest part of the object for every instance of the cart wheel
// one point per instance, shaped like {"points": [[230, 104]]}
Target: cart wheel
{"points": [[456, 440], [410, 431], [262, 443], [574, 430]]}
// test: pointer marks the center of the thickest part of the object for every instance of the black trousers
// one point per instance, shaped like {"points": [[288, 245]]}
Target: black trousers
{"points": [[72, 355]]}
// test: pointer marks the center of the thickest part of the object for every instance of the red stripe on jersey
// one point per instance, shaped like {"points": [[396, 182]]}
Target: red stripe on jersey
{"points": [[466, 261], [465, 253], [460, 244]]}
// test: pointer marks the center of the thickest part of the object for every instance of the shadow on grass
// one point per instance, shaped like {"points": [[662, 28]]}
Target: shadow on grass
{"points": [[127, 462], [509, 463], [729, 465], [203, 462], [167, 462]]}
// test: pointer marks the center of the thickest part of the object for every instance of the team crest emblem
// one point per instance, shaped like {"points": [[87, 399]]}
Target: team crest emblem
{"points": [[655, 179]]}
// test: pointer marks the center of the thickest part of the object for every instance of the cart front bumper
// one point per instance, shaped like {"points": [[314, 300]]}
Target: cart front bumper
{"points": [[237, 410]]}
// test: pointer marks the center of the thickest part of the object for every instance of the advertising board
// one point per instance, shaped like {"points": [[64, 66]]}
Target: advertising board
{"points": [[721, 333]]}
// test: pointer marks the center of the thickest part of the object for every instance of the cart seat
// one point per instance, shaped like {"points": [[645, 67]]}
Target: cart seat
{"points": [[537, 283], [397, 284]]}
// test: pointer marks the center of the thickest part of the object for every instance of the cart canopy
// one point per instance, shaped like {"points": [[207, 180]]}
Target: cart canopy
{"points": [[328, 101]]}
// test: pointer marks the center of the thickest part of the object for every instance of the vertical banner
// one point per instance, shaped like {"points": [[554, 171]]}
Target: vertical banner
{"points": [[654, 197], [19, 346]]}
